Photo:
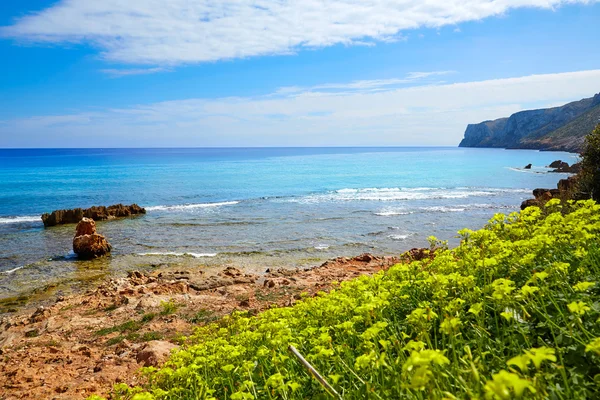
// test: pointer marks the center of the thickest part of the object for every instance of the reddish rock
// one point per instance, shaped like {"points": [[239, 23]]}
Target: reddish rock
{"points": [[97, 213], [154, 353], [529, 203], [85, 227], [567, 185], [88, 244]]}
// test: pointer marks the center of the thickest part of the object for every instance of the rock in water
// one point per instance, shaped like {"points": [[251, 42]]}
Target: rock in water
{"points": [[88, 244], [528, 166], [97, 213]]}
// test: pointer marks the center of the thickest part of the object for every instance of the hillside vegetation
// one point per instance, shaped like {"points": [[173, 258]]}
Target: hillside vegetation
{"points": [[512, 312], [559, 128]]}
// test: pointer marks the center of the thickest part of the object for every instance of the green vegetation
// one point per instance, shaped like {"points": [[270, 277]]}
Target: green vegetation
{"points": [[513, 312], [168, 307], [589, 177], [129, 326], [202, 316]]}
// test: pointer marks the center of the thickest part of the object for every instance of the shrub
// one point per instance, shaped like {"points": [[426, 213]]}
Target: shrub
{"points": [[589, 177]]}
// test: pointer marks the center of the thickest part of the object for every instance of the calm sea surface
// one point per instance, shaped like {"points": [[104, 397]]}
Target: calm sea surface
{"points": [[255, 208]]}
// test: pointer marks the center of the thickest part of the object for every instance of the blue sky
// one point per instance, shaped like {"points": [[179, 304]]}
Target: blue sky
{"points": [[116, 73]]}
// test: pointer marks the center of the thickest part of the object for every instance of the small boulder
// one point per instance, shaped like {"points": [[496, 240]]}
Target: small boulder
{"points": [[528, 166], [154, 353], [88, 244], [529, 203]]}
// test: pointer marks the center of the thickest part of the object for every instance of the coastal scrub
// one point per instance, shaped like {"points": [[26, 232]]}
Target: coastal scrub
{"points": [[512, 312]]}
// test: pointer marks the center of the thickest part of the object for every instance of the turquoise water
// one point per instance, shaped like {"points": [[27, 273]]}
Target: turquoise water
{"points": [[254, 208]]}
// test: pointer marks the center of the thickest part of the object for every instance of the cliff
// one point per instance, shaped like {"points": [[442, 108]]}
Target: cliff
{"points": [[558, 128]]}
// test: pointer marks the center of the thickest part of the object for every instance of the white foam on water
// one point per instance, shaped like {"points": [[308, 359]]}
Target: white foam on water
{"points": [[392, 213], [398, 237], [171, 253], [21, 219], [321, 247], [399, 194], [443, 209], [10, 271], [183, 207]]}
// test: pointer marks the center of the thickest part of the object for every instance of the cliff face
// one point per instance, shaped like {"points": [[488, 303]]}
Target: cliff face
{"points": [[557, 128]]}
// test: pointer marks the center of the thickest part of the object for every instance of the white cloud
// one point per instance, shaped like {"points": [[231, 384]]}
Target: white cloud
{"points": [[120, 72], [365, 85], [168, 32], [430, 114]]}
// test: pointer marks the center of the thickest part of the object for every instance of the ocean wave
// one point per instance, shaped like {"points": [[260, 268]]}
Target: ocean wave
{"points": [[321, 247], [530, 171], [21, 219], [398, 237], [443, 209], [183, 207], [171, 253], [392, 213], [388, 212], [400, 194]]}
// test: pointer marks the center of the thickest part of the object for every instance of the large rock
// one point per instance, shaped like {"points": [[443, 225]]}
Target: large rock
{"points": [[88, 244], [558, 164], [154, 353], [97, 213]]}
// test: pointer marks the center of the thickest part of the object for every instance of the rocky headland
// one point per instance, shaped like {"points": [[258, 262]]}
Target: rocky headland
{"points": [[554, 129], [96, 213]]}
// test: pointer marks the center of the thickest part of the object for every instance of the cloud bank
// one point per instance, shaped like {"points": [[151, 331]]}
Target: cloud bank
{"points": [[171, 32], [342, 115]]}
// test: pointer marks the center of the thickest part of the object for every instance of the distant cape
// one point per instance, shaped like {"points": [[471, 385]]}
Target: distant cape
{"points": [[554, 129]]}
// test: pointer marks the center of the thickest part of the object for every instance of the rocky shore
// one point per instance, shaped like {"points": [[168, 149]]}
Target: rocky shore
{"points": [[96, 213], [102, 337], [565, 188]]}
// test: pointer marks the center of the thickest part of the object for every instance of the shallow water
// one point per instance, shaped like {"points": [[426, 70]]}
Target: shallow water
{"points": [[254, 208]]}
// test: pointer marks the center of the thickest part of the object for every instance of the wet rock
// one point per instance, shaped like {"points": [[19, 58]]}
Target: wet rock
{"points": [[528, 166], [154, 353], [97, 213], [563, 167], [558, 164], [529, 203], [88, 244]]}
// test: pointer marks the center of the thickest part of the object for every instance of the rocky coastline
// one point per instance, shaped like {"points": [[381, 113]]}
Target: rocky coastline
{"points": [[102, 337], [96, 213], [565, 188]]}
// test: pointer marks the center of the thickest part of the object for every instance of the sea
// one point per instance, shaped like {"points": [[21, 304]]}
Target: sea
{"points": [[252, 208]]}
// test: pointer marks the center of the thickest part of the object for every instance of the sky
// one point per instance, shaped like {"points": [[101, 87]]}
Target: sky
{"points": [[206, 73]]}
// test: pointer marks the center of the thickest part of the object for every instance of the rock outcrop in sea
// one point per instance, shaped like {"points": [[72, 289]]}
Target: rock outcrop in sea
{"points": [[97, 213], [87, 243], [559, 128], [564, 191], [564, 167]]}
